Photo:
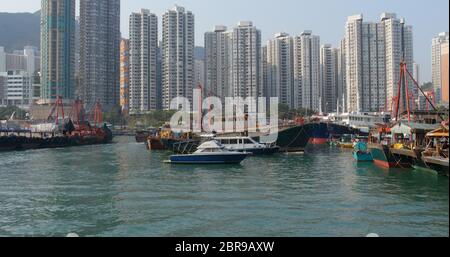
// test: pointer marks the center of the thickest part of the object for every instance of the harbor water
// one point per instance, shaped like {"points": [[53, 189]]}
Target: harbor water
{"points": [[121, 189]]}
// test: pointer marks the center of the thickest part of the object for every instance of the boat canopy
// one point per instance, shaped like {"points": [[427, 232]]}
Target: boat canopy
{"points": [[211, 145], [440, 132], [411, 128], [361, 146]]}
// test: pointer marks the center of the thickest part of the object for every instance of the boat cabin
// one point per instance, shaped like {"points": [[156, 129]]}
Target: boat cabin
{"points": [[210, 147], [380, 135], [410, 135], [437, 142], [239, 142]]}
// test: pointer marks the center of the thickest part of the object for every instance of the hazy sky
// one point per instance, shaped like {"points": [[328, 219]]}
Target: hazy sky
{"points": [[324, 17]]}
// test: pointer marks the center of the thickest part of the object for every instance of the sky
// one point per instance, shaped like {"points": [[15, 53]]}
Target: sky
{"points": [[325, 18]]}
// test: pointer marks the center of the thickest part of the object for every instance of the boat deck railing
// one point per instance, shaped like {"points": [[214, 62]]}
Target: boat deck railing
{"points": [[185, 147], [29, 134]]}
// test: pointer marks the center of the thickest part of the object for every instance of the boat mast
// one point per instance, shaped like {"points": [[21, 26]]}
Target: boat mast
{"points": [[404, 74]]}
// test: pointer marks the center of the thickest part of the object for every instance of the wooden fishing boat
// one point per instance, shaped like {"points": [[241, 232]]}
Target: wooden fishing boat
{"points": [[361, 154], [436, 154], [154, 143], [379, 147], [408, 142]]}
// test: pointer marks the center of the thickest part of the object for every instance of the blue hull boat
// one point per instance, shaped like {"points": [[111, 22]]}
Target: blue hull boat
{"points": [[234, 158]]}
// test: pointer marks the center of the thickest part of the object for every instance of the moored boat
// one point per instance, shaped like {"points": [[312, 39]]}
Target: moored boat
{"points": [[436, 154], [320, 134], [361, 154], [247, 144], [211, 152], [346, 141], [292, 139], [154, 143], [408, 142], [142, 135], [324, 131], [379, 147]]}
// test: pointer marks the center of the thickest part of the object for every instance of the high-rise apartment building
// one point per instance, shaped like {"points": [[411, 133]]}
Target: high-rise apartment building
{"points": [[436, 61], [199, 72], [57, 49], [307, 71], [444, 74], [329, 79], [17, 71], [17, 88], [2, 59], [399, 48], [374, 51], [178, 42], [28, 59], [77, 90], [341, 75], [3, 99], [264, 77], [217, 61], [77, 47], [199, 67], [416, 73], [143, 62], [365, 65], [100, 52], [339, 79], [245, 60], [125, 76], [280, 69]]}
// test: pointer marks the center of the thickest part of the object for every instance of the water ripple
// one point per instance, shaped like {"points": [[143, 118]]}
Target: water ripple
{"points": [[123, 190]]}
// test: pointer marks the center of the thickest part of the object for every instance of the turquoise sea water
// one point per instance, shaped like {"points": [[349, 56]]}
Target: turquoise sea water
{"points": [[121, 189]]}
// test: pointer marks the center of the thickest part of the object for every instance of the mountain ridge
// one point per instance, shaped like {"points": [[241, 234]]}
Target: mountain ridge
{"points": [[18, 30]]}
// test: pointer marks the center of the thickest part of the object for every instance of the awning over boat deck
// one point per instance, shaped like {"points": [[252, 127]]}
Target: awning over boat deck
{"points": [[440, 132], [412, 128]]}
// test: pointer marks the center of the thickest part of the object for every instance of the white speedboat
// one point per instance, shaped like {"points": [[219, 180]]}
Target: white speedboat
{"points": [[210, 152]]}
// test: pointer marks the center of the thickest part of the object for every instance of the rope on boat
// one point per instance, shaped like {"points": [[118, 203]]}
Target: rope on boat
{"points": [[298, 135]]}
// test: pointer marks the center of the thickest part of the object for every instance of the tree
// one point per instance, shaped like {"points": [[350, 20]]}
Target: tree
{"points": [[155, 118], [6, 112], [283, 111], [114, 116], [427, 86]]}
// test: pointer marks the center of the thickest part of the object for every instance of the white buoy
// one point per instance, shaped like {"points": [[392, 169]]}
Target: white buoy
{"points": [[72, 235], [372, 235]]}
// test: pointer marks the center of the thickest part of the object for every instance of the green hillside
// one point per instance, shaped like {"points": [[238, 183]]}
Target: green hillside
{"points": [[19, 29]]}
